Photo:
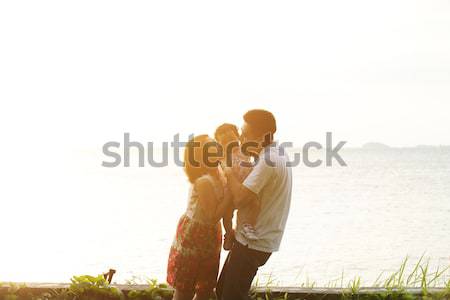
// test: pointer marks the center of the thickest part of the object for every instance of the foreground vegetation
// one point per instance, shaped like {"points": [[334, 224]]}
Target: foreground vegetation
{"points": [[395, 286]]}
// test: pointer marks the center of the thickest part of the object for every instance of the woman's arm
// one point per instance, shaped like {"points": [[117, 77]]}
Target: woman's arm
{"points": [[222, 206], [213, 210]]}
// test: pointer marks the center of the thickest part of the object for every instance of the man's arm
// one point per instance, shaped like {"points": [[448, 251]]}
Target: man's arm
{"points": [[254, 183], [241, 194]]}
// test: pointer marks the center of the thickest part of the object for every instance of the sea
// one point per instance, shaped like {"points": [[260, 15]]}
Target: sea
{"points": [[361, 220]]}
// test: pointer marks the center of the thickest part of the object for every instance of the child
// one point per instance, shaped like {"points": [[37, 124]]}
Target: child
{"points": [[228, 137]]}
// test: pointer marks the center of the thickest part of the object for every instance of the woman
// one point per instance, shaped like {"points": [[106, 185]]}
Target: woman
{"points": [[195, 252]]}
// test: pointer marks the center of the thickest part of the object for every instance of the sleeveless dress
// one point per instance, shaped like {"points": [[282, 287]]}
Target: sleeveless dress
{"points": [[194, 256]]}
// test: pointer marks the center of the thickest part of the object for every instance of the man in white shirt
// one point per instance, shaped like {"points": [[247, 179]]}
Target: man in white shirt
{"points": [[269, 183]]}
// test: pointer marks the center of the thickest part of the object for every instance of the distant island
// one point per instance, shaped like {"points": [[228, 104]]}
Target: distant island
{"points": [[444, 147], [375, 146], [381, 146], [426, 146]]}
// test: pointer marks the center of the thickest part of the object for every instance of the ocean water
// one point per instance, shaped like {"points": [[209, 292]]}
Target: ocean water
{"points": [[363, 219]]}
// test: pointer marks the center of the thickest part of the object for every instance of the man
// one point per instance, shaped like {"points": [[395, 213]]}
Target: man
{"points": [[269, 183]]}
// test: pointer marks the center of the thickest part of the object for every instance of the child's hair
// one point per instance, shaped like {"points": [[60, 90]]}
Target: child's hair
{"points": [[194, 156], [224, 128]]}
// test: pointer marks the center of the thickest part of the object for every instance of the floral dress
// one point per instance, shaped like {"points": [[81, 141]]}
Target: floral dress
{"points": [[195, 252]]}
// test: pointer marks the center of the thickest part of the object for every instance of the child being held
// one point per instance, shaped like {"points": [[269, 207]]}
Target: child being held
{"points": [[228, 137]]}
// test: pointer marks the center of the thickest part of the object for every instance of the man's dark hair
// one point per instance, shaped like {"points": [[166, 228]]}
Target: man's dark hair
{"points": [[224, 128], [262, 122]]}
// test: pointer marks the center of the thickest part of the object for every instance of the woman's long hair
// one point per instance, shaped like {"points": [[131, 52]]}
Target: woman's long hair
{"points": [[195, 164]]}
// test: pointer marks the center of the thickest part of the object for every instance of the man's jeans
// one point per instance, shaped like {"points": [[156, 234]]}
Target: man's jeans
{"points": [[238, 272]]}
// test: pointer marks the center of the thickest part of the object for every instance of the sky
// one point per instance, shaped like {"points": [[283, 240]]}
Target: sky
{"points": [[78, 74]]}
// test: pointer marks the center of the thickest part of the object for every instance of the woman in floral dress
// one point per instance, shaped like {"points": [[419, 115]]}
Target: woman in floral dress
{"points": [[195, 252]]}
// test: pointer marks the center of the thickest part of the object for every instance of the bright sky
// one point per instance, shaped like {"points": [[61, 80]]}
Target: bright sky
{"points": [[77, 74], [84, 72]]}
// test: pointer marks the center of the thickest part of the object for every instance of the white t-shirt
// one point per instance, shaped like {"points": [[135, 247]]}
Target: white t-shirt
{"points": [[272, 182]]}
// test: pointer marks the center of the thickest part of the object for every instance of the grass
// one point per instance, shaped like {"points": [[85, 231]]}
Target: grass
{"points": [[397, 285], [393, 286]]}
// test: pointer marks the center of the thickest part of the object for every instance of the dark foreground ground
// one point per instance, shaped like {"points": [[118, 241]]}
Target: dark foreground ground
{"points": [[88, 290]]}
